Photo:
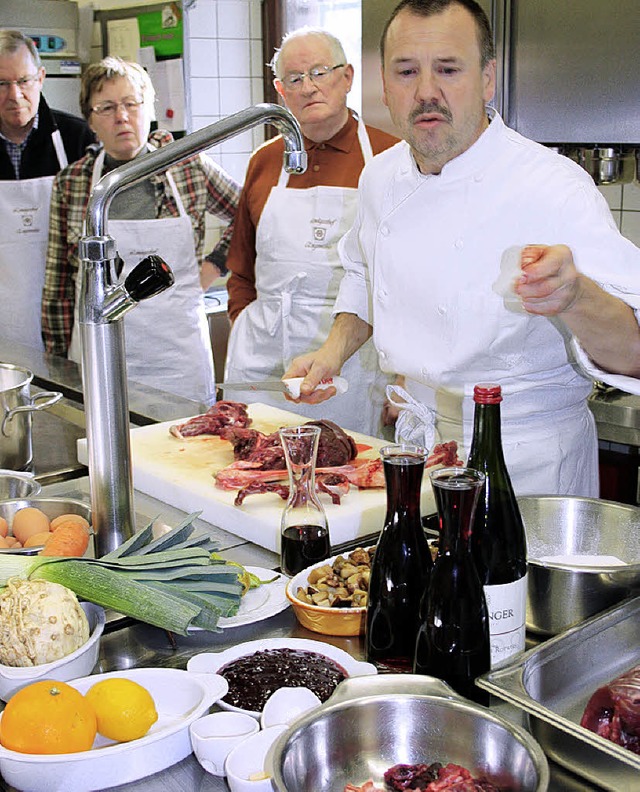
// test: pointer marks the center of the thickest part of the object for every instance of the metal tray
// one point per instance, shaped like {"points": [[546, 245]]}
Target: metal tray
{"points": [[554, 682]]}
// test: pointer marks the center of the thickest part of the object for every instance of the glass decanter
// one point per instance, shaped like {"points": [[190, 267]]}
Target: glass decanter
{"points": [[453, 640], [304, 530]]}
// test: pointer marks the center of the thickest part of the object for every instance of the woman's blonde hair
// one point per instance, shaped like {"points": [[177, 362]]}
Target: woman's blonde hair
{"points": [[110, 68]]}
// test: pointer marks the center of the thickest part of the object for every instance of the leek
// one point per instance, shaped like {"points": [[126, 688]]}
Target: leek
{"points": [[173, 582]]}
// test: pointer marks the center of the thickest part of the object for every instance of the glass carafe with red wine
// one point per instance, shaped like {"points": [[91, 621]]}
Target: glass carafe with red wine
{"points": [[304, 530], [453, 639], [499, 542], [401, 565]]}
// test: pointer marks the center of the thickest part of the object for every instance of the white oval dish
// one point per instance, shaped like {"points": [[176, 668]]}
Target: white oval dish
{"points": [[249, 758], [77, 664], [286, 704], [212, 662], [214, 736], [180, 699]]}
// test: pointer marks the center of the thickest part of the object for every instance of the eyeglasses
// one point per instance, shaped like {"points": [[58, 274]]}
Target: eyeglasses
{"points": [[316, 74], [111, 108], [23, 84]]}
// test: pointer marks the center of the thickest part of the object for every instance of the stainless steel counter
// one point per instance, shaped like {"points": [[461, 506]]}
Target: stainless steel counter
{"points": [[129, 644], [617, 416]]}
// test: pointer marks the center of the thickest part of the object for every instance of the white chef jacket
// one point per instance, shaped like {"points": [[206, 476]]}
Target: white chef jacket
{"points": [[421, 265]]}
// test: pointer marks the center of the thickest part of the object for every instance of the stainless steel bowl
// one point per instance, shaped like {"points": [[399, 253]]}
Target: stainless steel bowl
{"points": [[373, 722], [17, 485], [52, 507], [561, 594]]}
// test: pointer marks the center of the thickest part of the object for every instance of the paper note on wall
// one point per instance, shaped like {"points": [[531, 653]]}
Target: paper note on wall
{"points": [[124, 38], [168, 80]]}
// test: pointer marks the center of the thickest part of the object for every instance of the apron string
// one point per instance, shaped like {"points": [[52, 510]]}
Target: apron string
{"points": [[417, 417], [56, 139]]}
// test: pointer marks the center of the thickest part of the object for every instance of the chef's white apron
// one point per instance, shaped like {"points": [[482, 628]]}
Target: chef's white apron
{"points": [[167, 337], [548, 453], [24, 220], [298, 272]]}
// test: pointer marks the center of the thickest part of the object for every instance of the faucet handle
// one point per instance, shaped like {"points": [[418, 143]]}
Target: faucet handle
{"points": [[150, 277]]}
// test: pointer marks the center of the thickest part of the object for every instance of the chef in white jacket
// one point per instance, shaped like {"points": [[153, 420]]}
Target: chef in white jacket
{"points": [[478, 255]]}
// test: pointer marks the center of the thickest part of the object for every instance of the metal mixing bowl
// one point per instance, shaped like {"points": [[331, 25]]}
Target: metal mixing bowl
{"points": [[52, 507], [561, 594], [373, 722], [17, 485]]}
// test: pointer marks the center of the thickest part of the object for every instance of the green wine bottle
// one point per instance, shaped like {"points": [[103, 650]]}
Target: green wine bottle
{"points": [[498, 540]]}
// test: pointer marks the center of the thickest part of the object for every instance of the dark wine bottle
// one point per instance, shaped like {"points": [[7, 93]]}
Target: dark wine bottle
{"points": [[499, 542], [401, 565], [453, 639]]}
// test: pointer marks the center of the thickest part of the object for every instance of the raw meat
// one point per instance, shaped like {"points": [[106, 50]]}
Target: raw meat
{"points": [[223, 414], [428, 778], [335, 446], [613, 711], [257, 487], [361, 473], [249, 445]]}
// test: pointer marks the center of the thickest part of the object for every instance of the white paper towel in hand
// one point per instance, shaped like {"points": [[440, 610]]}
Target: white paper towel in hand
{"points": [[293, 385], [510, 271]]}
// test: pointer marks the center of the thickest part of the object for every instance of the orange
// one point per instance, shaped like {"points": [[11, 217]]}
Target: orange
{"points": [[48, 718], [124, 709]]}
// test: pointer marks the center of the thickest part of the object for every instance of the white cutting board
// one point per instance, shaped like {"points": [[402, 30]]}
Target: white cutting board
{"points": [[180, 473]]}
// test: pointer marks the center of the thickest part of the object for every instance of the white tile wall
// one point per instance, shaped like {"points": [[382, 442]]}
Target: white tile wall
{"points": [[223, 56], [624, 201]]}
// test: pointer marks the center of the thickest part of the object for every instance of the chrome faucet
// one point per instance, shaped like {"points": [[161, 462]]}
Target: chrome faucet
{"points": [[104, 302]]}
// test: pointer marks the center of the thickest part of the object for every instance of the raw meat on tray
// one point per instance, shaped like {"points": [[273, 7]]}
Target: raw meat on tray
{"points": [[613, 711]]}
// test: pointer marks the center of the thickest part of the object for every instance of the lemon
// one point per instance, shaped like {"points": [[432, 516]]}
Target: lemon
{"points": [[124, 709]]}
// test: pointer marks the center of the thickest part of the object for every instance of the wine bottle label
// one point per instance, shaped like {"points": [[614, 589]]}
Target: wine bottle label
{"points": [[507, 606]]}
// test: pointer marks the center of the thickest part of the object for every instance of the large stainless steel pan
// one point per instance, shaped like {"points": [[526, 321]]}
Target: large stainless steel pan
{"points": [[565, 592], [554, 682], [373, 722], [16, 411]]}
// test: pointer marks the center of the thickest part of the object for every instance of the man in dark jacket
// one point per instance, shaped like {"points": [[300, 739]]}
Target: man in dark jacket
{"points": [[35, 143]]}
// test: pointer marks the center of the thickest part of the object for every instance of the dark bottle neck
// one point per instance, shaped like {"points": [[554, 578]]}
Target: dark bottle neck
{"points": [[487, 433]]}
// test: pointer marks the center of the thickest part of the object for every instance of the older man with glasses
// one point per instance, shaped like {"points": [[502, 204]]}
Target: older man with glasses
{"points": [[285, 269], [35, 143], [167, 338]]}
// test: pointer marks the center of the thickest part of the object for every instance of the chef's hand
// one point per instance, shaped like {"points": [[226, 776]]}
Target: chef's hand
{"points": [[550, 283], [314, 367]]}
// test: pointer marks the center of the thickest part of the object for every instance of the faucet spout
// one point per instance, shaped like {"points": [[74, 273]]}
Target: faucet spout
{"points": [[295, 157], [100, 318]]}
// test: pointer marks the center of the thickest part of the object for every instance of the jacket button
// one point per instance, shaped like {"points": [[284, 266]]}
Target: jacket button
{"points": [[459, 244], [384, 230]]}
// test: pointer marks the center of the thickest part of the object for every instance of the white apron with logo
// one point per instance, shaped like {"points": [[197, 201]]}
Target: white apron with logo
{"points": [[167, 336], [24, 220], [298, 273]]}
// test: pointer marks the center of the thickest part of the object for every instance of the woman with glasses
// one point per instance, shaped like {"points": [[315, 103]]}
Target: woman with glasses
{"points": [[35, 143], [283, 259], [167, 338]]}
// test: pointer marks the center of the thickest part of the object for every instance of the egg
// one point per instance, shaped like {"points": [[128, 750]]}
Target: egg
{"points": [[58, 521], [38, 539], [29, 521], [4, 527]]}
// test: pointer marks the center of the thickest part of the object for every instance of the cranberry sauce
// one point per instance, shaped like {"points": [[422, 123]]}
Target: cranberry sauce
{"points": [[253, 678]]}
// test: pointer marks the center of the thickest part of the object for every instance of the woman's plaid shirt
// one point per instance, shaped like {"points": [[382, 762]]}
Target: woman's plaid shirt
{"points": [[203, 187]]}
